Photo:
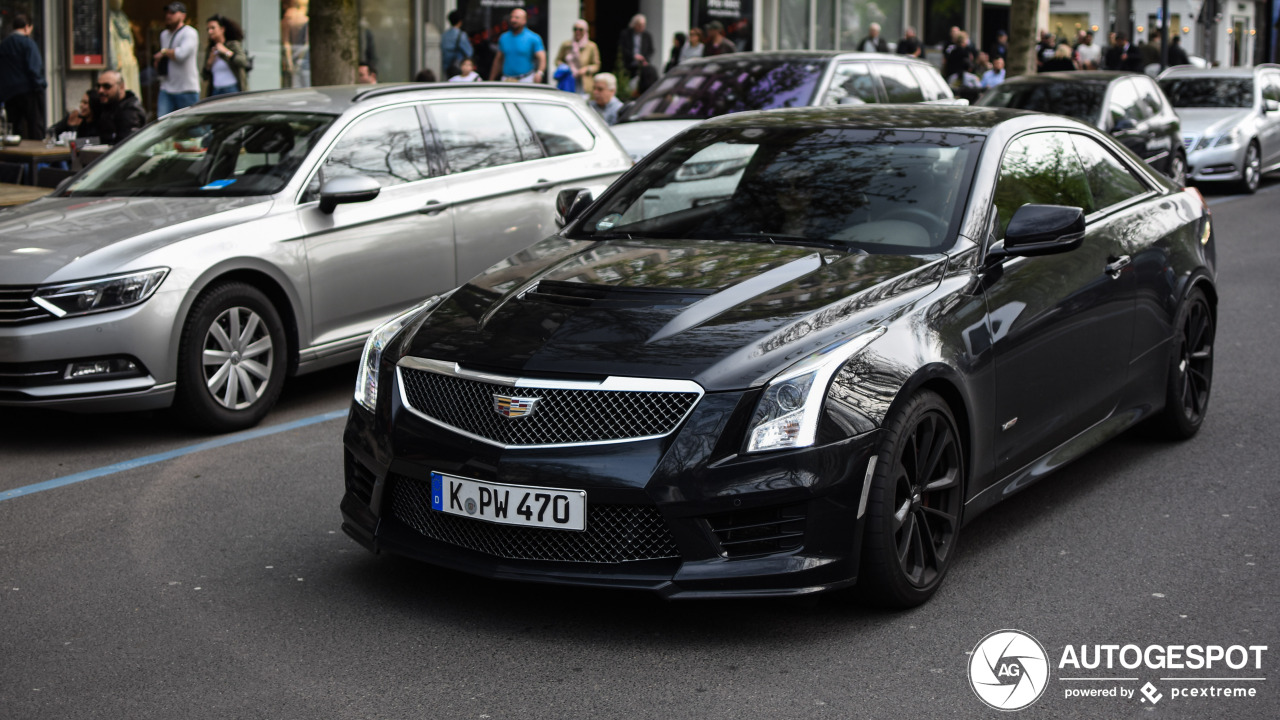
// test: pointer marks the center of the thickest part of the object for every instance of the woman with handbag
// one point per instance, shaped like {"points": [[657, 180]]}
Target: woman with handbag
{"points": [[582, 56], [226, 68]]}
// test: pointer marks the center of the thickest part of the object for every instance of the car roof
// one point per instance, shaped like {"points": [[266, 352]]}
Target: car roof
{"points": [[1088, 77], [978, 120], [801, 55], [336, 99], [1238, 71]]}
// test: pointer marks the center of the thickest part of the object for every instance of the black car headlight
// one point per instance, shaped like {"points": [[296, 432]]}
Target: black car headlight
{"points": [[787, 415], [379, 339], [99, 295]]}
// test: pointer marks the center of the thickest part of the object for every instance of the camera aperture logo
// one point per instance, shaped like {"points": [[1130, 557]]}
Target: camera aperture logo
{"points": [[1008, 670]]}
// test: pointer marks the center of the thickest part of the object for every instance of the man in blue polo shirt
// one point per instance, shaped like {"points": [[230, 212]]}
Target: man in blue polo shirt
{"points": [[521, 56]]}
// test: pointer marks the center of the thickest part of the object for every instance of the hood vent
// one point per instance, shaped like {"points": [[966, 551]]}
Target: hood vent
{"points": [[579, 294]]}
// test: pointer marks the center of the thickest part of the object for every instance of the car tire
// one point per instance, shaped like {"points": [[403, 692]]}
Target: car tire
{"points": [[1190, 370], [1251, 170], [231, 360], [914, 506], [1178, 170]]}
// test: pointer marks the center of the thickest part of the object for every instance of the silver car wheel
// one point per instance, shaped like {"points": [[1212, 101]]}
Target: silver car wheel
{"points": [[1252, 168], [237, 358]]}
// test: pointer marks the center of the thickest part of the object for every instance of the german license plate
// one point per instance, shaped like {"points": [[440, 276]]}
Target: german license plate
{"points": [[509, 504]]}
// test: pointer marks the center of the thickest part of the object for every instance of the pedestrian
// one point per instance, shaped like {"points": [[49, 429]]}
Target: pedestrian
{"points": [[81, 121], [959, 56], [695, 46], [582, 56], [1061, 61], [226, 69], [22, 81], [1177, 56], [1089, 55], [1045, 50], [678, 41], [425, 75], [636, 45], [1124, 56], [466, 72], [717, 43], [1001, 48], [604, 97], [521, 56], [910, 44], [873, 43], [455, 46], [175, 62], [295, 52], [120, 113], [995, 75], [366, 74]]}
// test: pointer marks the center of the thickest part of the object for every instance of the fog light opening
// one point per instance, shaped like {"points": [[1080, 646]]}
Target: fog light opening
{"points": [[100, 368]]}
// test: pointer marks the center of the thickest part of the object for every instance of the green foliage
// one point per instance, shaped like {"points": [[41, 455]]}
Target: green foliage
{"points": [[624, 78]]}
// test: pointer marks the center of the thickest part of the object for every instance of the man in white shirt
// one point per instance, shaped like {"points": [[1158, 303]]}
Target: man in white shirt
{"points": [[176, 62], [1089, 55]]}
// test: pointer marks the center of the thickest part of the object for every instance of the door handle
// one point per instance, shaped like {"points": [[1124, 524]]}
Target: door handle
{"points": [[542, 185], [435, 207], [1116, 265]]}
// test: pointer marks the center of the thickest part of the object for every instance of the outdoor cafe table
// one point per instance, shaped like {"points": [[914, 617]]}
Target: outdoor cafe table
{"points": [[11, 194], [34, 152]]}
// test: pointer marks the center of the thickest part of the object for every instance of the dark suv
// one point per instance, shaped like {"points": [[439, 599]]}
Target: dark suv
{"points": [[1130, 107]]}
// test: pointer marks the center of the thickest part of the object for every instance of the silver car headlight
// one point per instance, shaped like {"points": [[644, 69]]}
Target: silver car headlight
{"points": [[787, 415], [1234, 136], [379, 339], [99, 295]]}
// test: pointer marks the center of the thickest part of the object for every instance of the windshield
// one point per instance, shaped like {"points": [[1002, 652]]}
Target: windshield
{"points": [[1082, 101], [703, 90], [878, 191], [1209, 92], [212, 154]]}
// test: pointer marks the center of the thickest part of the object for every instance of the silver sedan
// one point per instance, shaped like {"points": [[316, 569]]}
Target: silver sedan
{"points": [[249, 238]]}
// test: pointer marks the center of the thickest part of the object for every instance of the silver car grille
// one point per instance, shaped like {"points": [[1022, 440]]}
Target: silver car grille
{"points": [[16, 306], [1188, 141], [565, 413], [614, 534]]}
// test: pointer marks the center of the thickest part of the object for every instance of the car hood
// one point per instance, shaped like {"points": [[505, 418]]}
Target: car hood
{"points": [[1215, 121], [68, 238], [642, 137], [726, 314]]}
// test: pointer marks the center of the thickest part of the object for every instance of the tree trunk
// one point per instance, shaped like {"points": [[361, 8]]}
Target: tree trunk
{"points": [[1022, 37], [335, 42]]}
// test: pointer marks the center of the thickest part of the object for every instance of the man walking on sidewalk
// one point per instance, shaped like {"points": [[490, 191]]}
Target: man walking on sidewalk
{"points": [[176, 62], [22, 80], [521, 55]]}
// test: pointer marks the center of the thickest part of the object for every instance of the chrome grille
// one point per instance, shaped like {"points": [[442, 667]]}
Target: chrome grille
{"points": [[1188, 141], [614, 534], [16, 306], [564, 415]]}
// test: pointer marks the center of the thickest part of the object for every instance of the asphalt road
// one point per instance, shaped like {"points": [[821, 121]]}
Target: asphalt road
{"points": [[217, 583]]}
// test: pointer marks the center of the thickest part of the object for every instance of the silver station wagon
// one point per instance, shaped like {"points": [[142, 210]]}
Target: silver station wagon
{"points": [[261, 235]]}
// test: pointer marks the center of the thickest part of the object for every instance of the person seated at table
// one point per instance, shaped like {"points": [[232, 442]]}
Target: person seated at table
{"points": [[82, 120], [120, 113]]}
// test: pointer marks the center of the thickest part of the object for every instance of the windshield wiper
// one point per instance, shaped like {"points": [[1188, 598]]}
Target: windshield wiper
{"points": [[784, 239]]}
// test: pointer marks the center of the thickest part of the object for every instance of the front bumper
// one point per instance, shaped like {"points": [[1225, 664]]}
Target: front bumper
{"points": [[34, 356], [699, 520], [1219, 164]]}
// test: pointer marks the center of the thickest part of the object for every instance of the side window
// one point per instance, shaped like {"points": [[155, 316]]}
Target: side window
{"points": [[559, 129], [529, 147], [1124, 103], [900, 86], [387, 146], [1152, 97], [1271, 90], [1042, 169], [852, 84], [931, 83], [1109, 180], [475, 135]]}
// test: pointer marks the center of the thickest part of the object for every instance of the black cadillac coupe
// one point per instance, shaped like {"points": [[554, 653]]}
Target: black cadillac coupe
{"points": [[790, 351]]}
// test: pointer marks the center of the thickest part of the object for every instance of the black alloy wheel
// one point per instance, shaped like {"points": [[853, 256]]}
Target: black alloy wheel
{"points": [[914, 506], [232, 359], [1191, 370]]}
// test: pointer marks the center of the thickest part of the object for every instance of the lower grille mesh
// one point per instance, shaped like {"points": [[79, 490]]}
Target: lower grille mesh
{"points": [[614, 534]]}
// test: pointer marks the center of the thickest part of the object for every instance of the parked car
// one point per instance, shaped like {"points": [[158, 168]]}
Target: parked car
{"points": [[1230, 121], [264, 235], [890, 320], [1130, 107], [708, 87]]}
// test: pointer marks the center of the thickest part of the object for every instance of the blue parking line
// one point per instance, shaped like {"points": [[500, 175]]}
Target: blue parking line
{"points": [[161, 457]]}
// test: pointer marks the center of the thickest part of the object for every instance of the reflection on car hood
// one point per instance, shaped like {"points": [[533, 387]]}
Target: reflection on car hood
{"points": [[642, 137], [1198, 121], [724, 313], [87, 236]]}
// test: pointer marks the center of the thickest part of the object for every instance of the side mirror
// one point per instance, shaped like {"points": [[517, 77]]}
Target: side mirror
{"points": [[1123, 124], [347, 189], [570, 203], [1041, 230], [1272, 105]]}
